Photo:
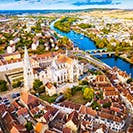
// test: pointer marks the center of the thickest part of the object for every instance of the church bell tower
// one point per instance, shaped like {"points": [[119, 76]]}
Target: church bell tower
{"points": [[28, 71]]}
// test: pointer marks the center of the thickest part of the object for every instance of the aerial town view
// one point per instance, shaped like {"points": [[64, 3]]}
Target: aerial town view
{"points": [[66, 66]]}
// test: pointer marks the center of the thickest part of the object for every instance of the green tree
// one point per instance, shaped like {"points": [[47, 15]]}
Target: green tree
{"points": [[37, 84], [96, 105], [3, 85], [84, 82], [129, 80], [29, 126], [67, 93], [88, 94], [107, 105], [16, 84]]}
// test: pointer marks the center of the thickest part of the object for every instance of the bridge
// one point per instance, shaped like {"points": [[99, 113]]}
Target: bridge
{"points": [[100, 52], [87, 56], [96, 50], [105, 53]]}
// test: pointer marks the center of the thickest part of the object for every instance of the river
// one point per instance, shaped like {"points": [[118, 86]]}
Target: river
{"points": [[86, 43]]}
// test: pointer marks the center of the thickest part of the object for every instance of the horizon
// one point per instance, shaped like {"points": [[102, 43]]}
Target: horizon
{"points": [[64, 4]]}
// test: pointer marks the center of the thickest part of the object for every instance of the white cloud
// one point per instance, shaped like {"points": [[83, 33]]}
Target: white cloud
{"points": [[58, 4]]}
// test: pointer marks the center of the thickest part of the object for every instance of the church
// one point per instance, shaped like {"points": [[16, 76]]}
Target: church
{"points": [[59, 69]]}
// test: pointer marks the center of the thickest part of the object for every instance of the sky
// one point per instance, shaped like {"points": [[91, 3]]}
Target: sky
{"points": [[63, 4]]}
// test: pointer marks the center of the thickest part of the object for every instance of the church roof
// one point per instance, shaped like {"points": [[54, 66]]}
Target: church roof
{"points": [[64, 59]]}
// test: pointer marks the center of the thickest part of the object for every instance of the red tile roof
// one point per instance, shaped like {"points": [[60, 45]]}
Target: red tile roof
{"points": [[27, 98], [67, 130], [22, 111], [87, 110], [73, 117]]}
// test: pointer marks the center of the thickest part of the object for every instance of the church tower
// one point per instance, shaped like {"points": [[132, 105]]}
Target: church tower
{"points": [[28, 72]]}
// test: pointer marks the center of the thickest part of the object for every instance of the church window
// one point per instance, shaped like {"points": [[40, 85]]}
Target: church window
{"points": [[58, 79]]}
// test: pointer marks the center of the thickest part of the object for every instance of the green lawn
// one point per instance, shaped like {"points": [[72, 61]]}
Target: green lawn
{"points": [[78, 98], [48, 98]]}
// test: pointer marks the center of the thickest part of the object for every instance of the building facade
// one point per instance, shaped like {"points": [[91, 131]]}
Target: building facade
{"points": [[60, 69]]}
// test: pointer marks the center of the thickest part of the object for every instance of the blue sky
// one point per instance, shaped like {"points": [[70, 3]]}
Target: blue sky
{"points": [[64, 4]]}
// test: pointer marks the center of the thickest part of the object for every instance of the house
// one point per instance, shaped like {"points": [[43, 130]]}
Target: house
{"points": [[58, 121], [29, 100], [122, 76], [87, 110], [114, 122], [12, 125], [67, 130], [40, 127], [35, 44], [101, 79], [50, 89], [11, 49], [11, 56], [18, 129], [130, 128], [111, 94], [22, 111], [73, 121], [101, 129]]}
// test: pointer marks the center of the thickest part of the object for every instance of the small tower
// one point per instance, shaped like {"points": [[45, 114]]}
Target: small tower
{"points": [[66, 52], [28, 72]]}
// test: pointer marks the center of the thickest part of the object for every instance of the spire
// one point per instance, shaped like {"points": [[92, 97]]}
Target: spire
{"points": [[28, 71], [26, 57], [66, 52], [53, 64]]}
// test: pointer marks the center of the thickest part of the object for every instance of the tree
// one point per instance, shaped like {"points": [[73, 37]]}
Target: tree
{"points": [[29, 126], [37, 84], [129, 80], [107, 105], [16, 84], [84, 82], [67, 93], [131, 59], [96, 105], [88, 94], [3, 85]]}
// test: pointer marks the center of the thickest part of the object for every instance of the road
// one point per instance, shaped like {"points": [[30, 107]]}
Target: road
{"points": [[10, 92]]}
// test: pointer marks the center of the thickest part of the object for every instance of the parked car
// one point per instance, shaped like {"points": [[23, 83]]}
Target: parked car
{"points": [[15, 95]]}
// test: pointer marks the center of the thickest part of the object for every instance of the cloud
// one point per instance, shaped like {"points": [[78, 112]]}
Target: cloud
{"points": [[63, 4], [93, 2]]}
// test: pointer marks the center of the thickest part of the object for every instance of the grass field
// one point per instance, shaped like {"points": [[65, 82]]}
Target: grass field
{"points": [[78, 98]]}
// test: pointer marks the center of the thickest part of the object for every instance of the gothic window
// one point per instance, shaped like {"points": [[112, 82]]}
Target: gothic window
{"points": [[58, 79], [74, 69]]}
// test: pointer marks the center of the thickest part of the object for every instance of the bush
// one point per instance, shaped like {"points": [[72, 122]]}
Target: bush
{"points": [[95, 105], [84, 82], [36, 84], [3, 85], [16, 84], [130, 80], [107, 105], [29, 126]]}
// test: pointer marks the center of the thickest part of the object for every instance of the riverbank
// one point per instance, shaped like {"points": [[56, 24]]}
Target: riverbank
{"points": [[83, 42], [126, 59], [117, 55]]}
